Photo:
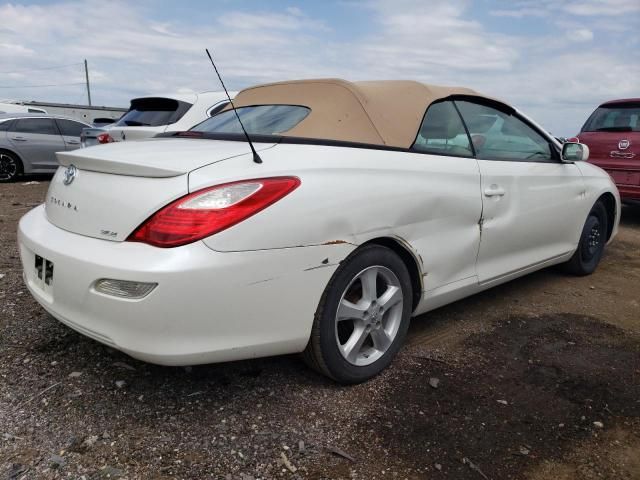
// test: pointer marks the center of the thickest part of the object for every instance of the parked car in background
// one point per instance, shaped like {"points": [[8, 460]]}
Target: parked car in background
{"points": [[149, 116], [612, 133], [29, 141], [363, 205]]}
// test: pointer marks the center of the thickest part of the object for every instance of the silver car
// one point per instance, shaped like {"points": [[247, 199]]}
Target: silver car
{"points": [[29, 141]]}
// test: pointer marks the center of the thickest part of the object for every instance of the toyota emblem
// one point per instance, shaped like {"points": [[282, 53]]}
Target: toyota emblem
{"points": [[70, 174]]}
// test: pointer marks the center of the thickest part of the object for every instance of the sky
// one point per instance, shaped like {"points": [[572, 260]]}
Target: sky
{"points": [[555, 60]]}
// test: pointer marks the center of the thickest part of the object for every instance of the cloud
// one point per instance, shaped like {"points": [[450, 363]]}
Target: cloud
{"points": [[293, 19], [438, 44], [600, 8], [15, 50], [133, 51], [580, 35], [585, 8], [130, 55], [520, 13], [525, 8]]}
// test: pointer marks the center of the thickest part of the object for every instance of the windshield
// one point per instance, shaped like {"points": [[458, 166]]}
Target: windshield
{"points": [[153, 112], [619, 117], [258, 120]]}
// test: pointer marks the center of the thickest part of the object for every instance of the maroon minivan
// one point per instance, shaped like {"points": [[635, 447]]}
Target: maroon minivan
{"points": [[612, 133]]}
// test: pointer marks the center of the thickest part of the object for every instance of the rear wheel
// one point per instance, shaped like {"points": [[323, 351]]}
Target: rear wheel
{"points": [[363, 316], [10, 167], [591, 246]]}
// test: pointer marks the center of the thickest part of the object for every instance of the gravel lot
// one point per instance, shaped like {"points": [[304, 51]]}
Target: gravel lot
{"points": [[536, 379]]}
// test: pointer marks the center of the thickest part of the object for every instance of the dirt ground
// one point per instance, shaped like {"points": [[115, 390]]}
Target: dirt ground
{"points": [[536, 379]]}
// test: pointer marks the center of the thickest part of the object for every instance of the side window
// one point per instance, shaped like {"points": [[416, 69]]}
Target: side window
{"points": [[497, 135], [217, 107], [4, 126], [70, 128], [442, 132], [43, 126]]}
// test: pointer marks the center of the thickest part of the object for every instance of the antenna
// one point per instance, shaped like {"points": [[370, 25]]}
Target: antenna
{"points": [[256, 157]]}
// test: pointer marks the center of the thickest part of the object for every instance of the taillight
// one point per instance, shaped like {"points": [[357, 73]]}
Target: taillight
{"points": [[211, 210], [573, 140], [105, 138]]}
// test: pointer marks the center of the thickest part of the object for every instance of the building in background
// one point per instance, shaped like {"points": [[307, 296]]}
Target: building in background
{"points": [[85, 113], [7, 106]]}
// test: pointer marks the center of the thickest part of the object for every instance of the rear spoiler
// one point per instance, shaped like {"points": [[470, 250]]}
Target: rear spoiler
{"points": [[102, 159]]}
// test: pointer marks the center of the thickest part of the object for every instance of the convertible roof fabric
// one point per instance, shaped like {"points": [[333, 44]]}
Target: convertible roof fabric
{"points": [[377, 112]]}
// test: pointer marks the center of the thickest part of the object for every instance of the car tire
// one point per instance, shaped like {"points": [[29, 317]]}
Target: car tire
{"points": [[10, 167], [363, 316], [591, 245]]}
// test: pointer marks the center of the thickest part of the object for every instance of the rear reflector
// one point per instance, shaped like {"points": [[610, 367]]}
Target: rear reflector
{"points": [[211, 210], [124, 288]]}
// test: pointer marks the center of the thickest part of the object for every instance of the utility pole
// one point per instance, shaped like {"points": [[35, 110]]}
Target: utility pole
{"points": [[86, 75]]}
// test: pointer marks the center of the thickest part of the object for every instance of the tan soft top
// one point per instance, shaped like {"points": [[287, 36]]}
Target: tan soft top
{"points": [[377, 112]]}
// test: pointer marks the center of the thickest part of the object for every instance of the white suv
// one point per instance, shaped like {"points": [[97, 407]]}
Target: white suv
{"points": [[149, 116]]}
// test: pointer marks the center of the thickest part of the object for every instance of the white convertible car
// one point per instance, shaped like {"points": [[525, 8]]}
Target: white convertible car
{"points": [[366, 204]]}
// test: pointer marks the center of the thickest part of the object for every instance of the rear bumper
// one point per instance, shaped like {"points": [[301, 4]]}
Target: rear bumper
{"points": [[629, 192], [626, 179], [208, 306]]}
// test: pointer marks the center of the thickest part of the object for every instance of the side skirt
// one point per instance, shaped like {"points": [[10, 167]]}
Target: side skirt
{"points": [[460, 289]]}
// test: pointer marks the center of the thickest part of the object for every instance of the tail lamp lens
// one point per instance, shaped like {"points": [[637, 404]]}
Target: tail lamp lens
{"points": [[104, 138], [211, 210]]}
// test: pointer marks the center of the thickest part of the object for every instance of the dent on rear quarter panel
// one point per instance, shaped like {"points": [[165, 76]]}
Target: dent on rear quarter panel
{"points": [[349, 196], [346, 194]]}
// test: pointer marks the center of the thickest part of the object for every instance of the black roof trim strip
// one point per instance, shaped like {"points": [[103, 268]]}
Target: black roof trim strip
{"points": [[235, 137]]}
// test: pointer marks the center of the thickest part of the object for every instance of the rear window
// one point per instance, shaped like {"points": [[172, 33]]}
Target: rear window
{"points": [[104, 121], [153, 112], [618, 117], [69, 128], [258, 120]]}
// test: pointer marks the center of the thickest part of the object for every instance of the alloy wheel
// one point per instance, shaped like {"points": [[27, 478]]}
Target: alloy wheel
{"points": [[369, 315], [8, 167]]}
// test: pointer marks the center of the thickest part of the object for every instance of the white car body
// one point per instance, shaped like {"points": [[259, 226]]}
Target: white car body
{"points": [[202, 106], [252, 290]]}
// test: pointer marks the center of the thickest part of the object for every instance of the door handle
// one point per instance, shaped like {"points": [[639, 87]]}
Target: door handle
{"points": [[19, 139], [73, 142], [494, 191]]}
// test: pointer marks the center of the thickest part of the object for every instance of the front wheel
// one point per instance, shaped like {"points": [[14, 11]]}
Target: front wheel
{"points": [[10, 167], [363, 316], [591, 246]]}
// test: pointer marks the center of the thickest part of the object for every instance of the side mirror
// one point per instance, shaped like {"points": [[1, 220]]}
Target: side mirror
{"points": [[575, 152]]}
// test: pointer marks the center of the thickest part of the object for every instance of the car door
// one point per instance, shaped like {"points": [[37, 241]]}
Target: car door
{"points": [[529, 195], [36, 139], [70, 131]]}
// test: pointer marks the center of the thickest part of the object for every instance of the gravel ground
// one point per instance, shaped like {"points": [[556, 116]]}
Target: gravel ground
{"points": [[536, 379]]}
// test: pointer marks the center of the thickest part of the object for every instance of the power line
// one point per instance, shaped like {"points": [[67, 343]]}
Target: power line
{"points": [[43, 68], [41, 86]]}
